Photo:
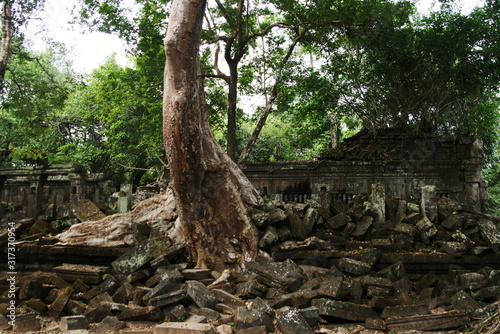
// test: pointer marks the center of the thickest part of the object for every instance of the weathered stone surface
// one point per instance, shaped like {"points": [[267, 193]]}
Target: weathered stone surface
{"points": [[381, 302], [427, 228], [454, 248], [200, 294], [428, 203], [408, 229], [454, 221], [269, 237], [85, 210], [362, 227], [75, 307], [253, 317], [209, 314], [80, 286], [352, 289], [84, 273], [50, 279], [343, 310], [30, 289], [73, 323], [227, 298], [39, 227], [446, 207], [97, 314], [139, 275], [108, 285], [371, 256], [490, 233], [100, 299], [382, 244], [169, 298], [124, 293], [430, 322], [378, 324], [275, 216], [197, 274], [58, 305], [109, 324], [167, 285], [339, 221], [290, 321], [297, 227], [310, 219], [298, 299], [464, 302], [428, 280], [373, 291], [147, 313], [376, 203], [381, 282], [393, 272], [330, 287], [473, 281], [250, 289], [4, 323], [354, 267], [310, 315], [140, 255], [282, 275], [404, 310], [257, 216], [37, 306], [183, 328], [26, 323]]}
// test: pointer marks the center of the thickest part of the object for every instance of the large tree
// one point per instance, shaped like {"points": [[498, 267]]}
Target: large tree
{"points": [[212, 193]]}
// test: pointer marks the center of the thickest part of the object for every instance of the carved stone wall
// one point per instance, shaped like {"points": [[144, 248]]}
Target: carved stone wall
{"points": [[35, 188], [402, 163]]}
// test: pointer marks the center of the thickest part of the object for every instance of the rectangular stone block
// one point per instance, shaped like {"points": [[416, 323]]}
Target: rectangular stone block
{"points": [[183, 328], [58, 305], [85, 273], [430, 322], [404, 310], [140, 255], [343, 310], [290, 321], [74, 322]]}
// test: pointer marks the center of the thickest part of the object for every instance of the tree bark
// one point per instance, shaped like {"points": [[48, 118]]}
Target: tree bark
{"points": [[6, 38], [232, 101], [212, 194]]}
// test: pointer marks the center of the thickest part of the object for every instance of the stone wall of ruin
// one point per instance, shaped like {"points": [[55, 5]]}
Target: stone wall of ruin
{"points": [[402, 164], [35, 188]]}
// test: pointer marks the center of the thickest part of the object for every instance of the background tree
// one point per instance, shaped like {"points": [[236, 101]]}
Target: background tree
{"points": [[14, 15], [37, 86], [105, 127]]}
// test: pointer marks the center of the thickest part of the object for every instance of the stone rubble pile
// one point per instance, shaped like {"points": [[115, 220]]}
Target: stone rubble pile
{"points": [[323, 264]]}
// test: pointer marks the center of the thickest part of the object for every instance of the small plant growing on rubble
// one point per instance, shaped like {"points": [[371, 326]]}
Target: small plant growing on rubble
{"points": [[181, 319], [62, 224], [8, 206]]}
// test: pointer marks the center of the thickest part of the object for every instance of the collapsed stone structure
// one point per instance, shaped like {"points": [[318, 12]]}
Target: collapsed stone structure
{"points": [[34, 188], [402, 162], [380, 263], [395, 254]]}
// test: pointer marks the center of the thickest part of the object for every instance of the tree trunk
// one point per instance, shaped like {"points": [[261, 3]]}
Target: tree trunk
{"points": [[212, 194], [6, 38], [232, 100]]}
